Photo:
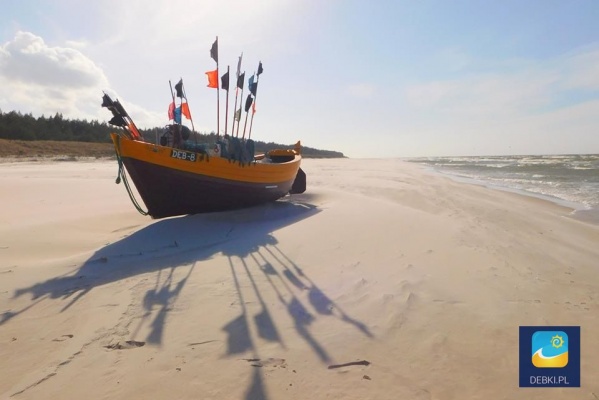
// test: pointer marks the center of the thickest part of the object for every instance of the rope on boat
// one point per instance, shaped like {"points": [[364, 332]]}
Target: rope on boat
{"points": [[122, 174]]}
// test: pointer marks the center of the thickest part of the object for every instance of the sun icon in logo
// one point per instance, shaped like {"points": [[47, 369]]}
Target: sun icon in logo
{"points": [[557, 341]]}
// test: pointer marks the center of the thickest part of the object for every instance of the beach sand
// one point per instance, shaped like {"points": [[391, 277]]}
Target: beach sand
{"points": [[382, 281]]}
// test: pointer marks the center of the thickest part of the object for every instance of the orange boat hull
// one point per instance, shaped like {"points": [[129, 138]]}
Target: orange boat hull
{"points": [[176, 182]]}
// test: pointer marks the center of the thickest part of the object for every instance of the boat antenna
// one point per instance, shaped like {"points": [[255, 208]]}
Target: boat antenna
{"points": [[237, 87], [254, 91]]}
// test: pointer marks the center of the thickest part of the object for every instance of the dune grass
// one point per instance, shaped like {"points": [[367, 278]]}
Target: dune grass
{"points": [[49, 148]]}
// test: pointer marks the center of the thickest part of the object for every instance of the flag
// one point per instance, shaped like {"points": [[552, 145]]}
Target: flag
{"points": [[239, 65], [214, 51], [212, 79], [117, 120], [240, 80], [224, 81], [171, 111], [253, 86], [260, 70], [106, 101], [238, 114], [248, 103], [177, 115], [185, 110], [179, 88]]}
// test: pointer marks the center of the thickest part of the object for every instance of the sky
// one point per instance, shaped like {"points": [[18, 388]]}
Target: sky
{"points": [[369, 78]]}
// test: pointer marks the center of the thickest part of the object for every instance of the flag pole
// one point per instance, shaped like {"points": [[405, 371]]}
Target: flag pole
{"points": [[172, 93], [187, 101], [173, 96], [174, 104], [252, 119], [236, 92], [217, 94], [253, 108], [260, 70], [239, 122], [227, 101], [248, 104], [244, 125]]}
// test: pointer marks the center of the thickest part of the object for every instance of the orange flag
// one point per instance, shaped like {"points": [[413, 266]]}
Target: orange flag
{"points": [[212, 79], [185, 110]]}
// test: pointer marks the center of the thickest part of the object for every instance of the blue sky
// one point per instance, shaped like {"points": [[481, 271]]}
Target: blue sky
{"points": [[368, 78]]}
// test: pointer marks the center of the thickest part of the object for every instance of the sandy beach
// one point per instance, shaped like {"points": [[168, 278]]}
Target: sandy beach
{"points": [[382, 281]]}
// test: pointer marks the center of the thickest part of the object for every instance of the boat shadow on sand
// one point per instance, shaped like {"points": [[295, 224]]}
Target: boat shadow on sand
{"points": [[245, 238]]}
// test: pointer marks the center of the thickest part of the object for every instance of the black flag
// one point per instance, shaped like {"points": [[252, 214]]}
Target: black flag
{"points": [[248, 102], [260, 70], [106, 101], [179, 88], [224, 81], [117, 120], [240, 81], [214, 51], [253, 85]]}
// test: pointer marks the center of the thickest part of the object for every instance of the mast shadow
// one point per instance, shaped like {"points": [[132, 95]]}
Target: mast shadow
{"points": [[172, 248], [169, 243]]}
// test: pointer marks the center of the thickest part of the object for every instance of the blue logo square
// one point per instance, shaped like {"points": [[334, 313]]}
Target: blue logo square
{"points": [[549, 356]]}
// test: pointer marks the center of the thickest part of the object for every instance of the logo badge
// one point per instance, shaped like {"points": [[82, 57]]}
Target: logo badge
{"points": [[549, 356], [549, 349]]}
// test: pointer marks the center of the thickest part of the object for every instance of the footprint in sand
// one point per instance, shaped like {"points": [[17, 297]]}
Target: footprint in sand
{"points": [[349, 364], [129, 344], [63, 338], [269, 362]]}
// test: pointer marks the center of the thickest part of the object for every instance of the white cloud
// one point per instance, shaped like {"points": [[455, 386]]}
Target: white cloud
{"points": [[136, 56], [509, 92], [522, 106], [41, 79], [29, 60]]}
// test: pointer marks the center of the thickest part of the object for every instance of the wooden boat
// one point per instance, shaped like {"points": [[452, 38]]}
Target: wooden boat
{"points": [[177, 181]]}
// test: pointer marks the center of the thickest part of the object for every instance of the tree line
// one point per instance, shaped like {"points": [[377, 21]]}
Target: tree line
{"points": [[17, 126]]}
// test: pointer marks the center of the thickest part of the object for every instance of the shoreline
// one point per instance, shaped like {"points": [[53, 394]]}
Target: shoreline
{"points": [[579, 211]]}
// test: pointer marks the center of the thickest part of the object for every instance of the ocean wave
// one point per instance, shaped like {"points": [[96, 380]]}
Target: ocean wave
{"points": [[571, 178]]}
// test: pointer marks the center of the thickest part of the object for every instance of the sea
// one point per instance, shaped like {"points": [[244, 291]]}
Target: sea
{"points": [[570, 180]]}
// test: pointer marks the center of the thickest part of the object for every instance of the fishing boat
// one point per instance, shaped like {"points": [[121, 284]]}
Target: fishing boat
{"points": [[197, 179], [177, 175]]}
